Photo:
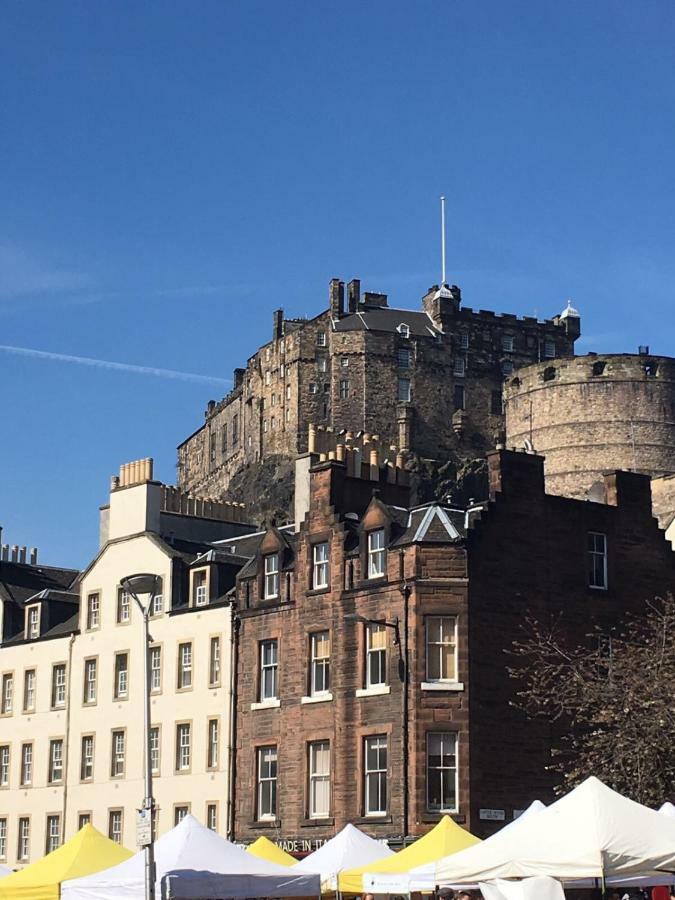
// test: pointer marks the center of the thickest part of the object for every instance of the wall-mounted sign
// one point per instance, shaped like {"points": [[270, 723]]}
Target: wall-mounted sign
{"points": [[300, 845], [492, 815]]}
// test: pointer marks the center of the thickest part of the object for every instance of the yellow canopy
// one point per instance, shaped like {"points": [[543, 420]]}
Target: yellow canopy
{"points": [[445, 838], [264, 848], [85, 853]]}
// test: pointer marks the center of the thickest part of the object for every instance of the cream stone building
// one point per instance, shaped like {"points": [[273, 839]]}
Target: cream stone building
{"points": [[71, 727]]}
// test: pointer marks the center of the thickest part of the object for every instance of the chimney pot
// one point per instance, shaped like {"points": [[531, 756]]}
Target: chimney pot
{"points": [[5, 552], [22, 555], [33, 556], [15, 552]]}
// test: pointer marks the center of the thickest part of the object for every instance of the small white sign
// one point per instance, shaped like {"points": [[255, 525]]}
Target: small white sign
{"points": [[143, 828], [492, 815]]}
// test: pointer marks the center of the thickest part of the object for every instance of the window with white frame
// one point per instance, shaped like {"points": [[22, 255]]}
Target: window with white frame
{"points": [[123, 606], [83, 819], [157, 604], [214, 662], [3, 838], [268, 670], [376, 553], [53, 833], [121, 685], [344, 389], [23, 847], [288, 392], [404, 330], [459, 367], [271, 587], [115, 825], [442, 772], [597, 560], [33, 629], [179, 813], [441, 638], [319, 663], [59, 686], [375, 775], [183, 747], [184, 666], [93, 611], [7, 694], [212, 816], [89, 687], [265, 426], [274, 399], [117, 754], [4, 765], [26, 764], [212, 745], [154, 749], [321, 338], [155, 669], [320, 565], [55, 761], [87, 758], [507, 343], [319, 780], [403, 357], [29, 690], [404, 391], [199, 594], [267, 783], [376, 655]]}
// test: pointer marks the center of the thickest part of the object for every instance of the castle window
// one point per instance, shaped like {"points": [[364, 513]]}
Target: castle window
{"points": [[288, 392], [403, 357], [404, 330], [496, 403], [273, 423], [344, 362], [212, 447], [274, 399], [507, 368], [464, 340], [282, 369], [651, 368], [549, 373], [549, 349], [313, 387], [322, 363], [321, 338], [599, 368], [287, 415], [265, 426], [326, 388], [344, 389], [459, 367], [458, 396], [597, 560], [268, 377], [223, 440], [507, 343], [235, 430], [404, 394], [267, 352]]}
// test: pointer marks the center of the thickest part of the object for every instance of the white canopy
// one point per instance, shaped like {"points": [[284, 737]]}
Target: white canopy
{"points": [[592, 832], [4, 871], [539, 888], [668, 810], [349, 849], [199, 864], [423, 878]]}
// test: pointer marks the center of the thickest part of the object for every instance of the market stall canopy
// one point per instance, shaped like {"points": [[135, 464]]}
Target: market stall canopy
{"points": [[668, 810], [86, 852], [348, 849], [4, 871], [592, 832], [444, 838], [196, 862], [264, 848], [539, 888]]}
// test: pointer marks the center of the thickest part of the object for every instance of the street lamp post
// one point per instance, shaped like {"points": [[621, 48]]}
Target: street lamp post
{"points": [[146, 584]]}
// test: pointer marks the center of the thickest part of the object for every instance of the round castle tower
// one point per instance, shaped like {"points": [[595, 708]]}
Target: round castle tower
{"points": [[594, 413]]}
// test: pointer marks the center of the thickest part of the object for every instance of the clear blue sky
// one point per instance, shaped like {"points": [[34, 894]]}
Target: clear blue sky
{"points": [[174, 171]]}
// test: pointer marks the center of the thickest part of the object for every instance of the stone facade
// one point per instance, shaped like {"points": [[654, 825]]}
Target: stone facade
{"points": [[429, 380], [484, 569], [594, 413]]}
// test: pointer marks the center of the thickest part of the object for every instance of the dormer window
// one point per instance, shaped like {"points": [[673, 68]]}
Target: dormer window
{"points": [[33, 624], [200, 595], [376, 553], [404, 330], [271, 587]]}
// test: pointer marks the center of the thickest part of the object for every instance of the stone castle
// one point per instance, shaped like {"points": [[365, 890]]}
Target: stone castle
{"points": [[429, 380]]}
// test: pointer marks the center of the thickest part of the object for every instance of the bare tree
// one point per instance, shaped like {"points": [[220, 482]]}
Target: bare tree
{"points": [[613, 701]]}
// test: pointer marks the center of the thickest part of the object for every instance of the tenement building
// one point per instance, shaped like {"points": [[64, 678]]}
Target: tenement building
{"points": [[428, 380], [372, 682], [71, 671]]}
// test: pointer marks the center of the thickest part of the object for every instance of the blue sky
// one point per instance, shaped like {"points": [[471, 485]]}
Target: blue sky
{"points": [[172, 172]]}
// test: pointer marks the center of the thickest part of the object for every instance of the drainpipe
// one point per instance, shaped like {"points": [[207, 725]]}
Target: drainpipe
{"points": [[232, 749], [66, 738], [405, 728]]}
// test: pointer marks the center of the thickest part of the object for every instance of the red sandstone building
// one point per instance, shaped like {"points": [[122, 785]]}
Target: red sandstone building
{"points": [[372, 682]]}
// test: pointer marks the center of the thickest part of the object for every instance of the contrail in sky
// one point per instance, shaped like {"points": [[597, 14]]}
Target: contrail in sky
{"points": [[116, 366]]}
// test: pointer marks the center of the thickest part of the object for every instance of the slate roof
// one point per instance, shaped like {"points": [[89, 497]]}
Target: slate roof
{"points": [[246, 545], [387, 319], [20, 581], [62, 629]]}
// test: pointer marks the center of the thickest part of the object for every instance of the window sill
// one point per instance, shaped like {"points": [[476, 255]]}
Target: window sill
{"points": [[442, 686], [379, 691], [266, 704], [320, 698], [324, 822], [315, 592], [376, 818]]}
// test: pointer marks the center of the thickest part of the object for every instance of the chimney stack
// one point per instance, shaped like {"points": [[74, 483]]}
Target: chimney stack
{"points": [[354, 294], [22, 555], [33, 556], [5, 552], [277, 324], [336, 298], [15, 553]]}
